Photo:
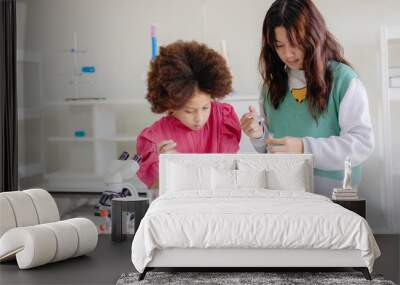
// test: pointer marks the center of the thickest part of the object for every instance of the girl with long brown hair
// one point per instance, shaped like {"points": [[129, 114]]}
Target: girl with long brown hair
{"points": [[312, 101]]}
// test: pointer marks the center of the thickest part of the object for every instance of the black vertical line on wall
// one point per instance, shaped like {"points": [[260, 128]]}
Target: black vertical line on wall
{"points": [[8, 97]]}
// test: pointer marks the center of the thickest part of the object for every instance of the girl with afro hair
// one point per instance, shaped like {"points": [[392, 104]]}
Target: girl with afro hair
{"points": [[185, 82]]}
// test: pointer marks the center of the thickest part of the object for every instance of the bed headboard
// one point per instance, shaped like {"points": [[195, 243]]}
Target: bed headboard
{"points": [[286, 165]]}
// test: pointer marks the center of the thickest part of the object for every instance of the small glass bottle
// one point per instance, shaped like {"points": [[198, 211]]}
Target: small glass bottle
{"points": [[130, 223], [105, 224]]}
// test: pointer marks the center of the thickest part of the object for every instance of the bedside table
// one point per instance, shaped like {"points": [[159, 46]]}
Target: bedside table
{"points": [[122, 206], [358, 206]]}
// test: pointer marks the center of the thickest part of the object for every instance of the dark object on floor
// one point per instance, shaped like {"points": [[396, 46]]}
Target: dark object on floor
{"points": [[244, 278], [357, 206], [364, 271], [120, 206]]}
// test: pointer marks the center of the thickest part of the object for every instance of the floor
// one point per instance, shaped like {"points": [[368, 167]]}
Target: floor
{"points": [[102, 266], [111, 259], [389, 262]]}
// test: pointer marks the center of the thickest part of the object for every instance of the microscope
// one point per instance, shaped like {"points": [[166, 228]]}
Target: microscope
{"points": [[119, 179]]}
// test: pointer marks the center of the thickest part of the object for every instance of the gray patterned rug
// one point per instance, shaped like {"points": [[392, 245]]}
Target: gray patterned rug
{"points": [[269, 278]]}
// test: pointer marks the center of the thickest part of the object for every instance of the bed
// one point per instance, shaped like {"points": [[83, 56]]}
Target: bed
{"points": [[247, 210]]}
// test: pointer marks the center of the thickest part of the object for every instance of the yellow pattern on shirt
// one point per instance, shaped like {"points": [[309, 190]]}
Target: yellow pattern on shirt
{"points": [[299, 94]]}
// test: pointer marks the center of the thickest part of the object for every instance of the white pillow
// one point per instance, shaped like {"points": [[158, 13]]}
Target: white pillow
{"points": [[251, 178], [227, 179], [223, 179], [293, 179], [188, 177]]}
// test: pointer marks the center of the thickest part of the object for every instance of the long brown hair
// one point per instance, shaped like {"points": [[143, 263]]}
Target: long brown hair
{"points": [[306, 27]]}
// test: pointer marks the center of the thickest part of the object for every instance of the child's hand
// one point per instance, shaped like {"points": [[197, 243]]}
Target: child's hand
{"points": [[250, 125], [285, 145], [167, 146]]}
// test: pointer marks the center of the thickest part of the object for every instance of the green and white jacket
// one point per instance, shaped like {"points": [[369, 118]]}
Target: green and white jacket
{"points": [[344, 129]]}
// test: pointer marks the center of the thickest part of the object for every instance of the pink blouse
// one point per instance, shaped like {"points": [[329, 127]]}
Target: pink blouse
{"points": [[221, 134]]}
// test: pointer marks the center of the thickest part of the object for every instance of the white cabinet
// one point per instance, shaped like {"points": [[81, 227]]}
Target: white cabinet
{"points": [[84, 136], [390, 71], [30, 124]]}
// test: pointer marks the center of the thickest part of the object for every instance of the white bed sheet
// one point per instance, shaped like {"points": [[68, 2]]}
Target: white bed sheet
{"points": [[251, 218]]}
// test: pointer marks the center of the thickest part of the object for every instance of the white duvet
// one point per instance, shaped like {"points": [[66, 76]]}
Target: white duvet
{"points": [[253, 218]]}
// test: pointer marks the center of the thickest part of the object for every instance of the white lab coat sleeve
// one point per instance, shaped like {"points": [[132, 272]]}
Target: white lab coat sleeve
{"points": [[259, 143], [356, 137]]}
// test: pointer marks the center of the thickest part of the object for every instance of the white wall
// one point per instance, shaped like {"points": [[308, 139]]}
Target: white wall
{"points": [[116, 34], [358, 29]]}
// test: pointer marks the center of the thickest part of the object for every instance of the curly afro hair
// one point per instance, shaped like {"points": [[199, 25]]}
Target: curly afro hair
{"points": [[180, 69]]}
